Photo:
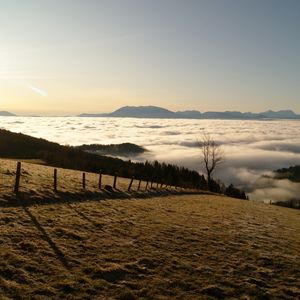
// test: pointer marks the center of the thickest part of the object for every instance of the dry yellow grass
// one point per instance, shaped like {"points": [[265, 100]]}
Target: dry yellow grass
{"points": [[176, 247], [36, 184], [171, 247]]}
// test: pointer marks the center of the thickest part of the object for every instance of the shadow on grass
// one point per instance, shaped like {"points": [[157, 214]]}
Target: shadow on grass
{"points": [[30, 198], [84, 216], [59, 254]]}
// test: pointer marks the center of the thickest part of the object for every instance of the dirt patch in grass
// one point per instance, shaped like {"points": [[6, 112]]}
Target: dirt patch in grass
{"points": [[173, 247]]}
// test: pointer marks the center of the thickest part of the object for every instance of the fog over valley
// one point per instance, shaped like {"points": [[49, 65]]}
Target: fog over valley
{"points": [[252, 148]]}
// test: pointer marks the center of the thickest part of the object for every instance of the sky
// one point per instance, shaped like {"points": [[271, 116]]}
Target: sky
{"points": [[74, 56]]}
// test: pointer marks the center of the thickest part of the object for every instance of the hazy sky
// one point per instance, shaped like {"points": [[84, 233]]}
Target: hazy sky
{"points": [[71, 56]]}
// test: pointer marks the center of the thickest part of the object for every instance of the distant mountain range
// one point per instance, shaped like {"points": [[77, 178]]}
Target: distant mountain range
{"points": [[6, 114], [159, 112]]}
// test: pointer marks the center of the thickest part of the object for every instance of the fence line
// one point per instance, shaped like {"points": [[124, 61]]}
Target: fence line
{"points": [[159, 185], [130, 184], [83, 181], [18, 176], [55, 180], [100, 180], [115, 181]]}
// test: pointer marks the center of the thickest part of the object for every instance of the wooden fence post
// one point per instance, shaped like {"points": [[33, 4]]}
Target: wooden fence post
{"points": [[55, 180], [130, 184], [147, 185], [115, 180], [83, 181], [18, 175], [139, 184], [100, 180]]}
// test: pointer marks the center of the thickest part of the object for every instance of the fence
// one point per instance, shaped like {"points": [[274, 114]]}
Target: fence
{"points": [[26, 177]]}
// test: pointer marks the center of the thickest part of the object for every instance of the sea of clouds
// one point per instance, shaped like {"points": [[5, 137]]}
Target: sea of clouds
{"points": [[252, 148]]}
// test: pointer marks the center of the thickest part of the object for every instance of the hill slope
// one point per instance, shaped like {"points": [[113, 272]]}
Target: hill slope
{"points": [[177, 247], [20, 146]]}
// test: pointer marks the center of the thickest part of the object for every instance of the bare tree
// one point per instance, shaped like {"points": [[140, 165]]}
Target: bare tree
{"points": [[212, 155]]}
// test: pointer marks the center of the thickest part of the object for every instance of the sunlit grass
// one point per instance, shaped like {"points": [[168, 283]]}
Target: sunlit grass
{"points": [[185, 247], [170, 247]]}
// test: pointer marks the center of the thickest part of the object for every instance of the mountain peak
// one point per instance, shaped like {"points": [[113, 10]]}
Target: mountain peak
{"points": [[6, 114], [142, 112], [159, 112], [282, 114]]}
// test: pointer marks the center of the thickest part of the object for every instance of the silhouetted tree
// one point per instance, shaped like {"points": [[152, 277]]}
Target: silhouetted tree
{"points": [[212, 156], [234, 192]]}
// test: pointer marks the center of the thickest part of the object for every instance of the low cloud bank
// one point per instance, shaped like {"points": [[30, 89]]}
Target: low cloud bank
{"points": [[275, 190], [252, 148]]}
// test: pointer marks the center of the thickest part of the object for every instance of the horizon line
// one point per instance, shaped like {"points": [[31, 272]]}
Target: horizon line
{"points": [[75, 114]]}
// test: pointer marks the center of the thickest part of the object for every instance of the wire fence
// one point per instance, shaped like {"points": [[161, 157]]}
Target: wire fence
{"points": [[23, 177]]}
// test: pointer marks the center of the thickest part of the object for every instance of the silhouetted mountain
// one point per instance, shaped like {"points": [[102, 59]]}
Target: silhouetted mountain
{"points": [[282, 114], [223, 115], [143, 111], [158, 112], [189, 114], [137, 112], [6, 114]]}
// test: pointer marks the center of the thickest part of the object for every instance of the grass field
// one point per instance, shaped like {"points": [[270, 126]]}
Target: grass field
{"points": [[36, 185], [176, 247], [166, 247]]}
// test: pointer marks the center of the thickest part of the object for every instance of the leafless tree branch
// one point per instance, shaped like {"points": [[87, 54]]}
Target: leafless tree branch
{"points": [[212, 155]]}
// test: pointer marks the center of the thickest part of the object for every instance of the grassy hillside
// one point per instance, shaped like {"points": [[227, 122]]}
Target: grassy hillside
{"points": [[37, 185], [176, 247], [20, 146], [14, 145]]}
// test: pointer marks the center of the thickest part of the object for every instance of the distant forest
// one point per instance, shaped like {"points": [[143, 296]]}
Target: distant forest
{"points": [[125, 149], [292, 173], [20, 146]]}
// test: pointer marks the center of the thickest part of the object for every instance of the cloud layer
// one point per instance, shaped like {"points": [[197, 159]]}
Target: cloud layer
{"points": [[252, 148]]}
